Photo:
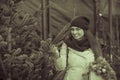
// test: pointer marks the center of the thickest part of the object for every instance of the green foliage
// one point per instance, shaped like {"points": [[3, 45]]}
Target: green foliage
{"points": [[22, 56], [102, 67]]}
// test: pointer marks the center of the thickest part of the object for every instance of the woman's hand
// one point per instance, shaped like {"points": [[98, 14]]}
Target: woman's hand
{"points": [[54, 50]]}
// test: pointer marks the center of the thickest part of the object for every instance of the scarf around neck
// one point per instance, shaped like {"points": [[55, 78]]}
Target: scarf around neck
{"points": [[81, 45]]}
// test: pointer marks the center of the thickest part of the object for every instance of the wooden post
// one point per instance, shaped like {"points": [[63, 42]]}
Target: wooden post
{"points": [[45, 18], [118, 34], [110, 28], [96, 16]]}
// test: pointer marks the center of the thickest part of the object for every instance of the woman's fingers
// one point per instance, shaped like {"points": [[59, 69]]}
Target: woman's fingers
{"points": [[54, 50]]}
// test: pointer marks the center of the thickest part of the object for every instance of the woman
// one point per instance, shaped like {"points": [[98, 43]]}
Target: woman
{"points": [[79, 49]]}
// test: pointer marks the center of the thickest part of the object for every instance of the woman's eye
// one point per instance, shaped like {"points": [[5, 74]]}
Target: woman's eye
{"points": [[78, 29], [72, 29], [75, 29]]}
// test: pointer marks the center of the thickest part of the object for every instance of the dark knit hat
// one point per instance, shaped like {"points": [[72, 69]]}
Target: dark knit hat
{"points": [[81, 22]]}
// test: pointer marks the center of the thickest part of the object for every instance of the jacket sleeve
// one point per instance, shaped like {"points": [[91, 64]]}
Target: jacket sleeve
{"points": [[60, 62]]}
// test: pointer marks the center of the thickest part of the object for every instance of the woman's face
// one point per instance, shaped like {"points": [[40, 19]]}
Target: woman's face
{"points": [[77, 32]]}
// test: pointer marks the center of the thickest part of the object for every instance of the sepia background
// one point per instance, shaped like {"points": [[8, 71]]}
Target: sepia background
{"points": [[25, 23]]}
